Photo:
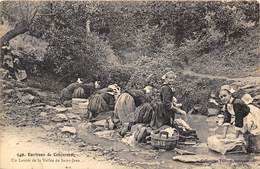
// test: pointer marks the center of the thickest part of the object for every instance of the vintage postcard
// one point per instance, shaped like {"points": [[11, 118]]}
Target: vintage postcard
{"points": [[129, 84]]}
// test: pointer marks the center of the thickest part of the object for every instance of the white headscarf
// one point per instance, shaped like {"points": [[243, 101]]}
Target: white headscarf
{"points": [[116, 90], [247, 98], [79, 81], [228, 88], [148, 89]]}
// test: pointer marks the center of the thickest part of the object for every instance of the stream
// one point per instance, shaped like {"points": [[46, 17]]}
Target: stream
{"points": [[144, 155]]}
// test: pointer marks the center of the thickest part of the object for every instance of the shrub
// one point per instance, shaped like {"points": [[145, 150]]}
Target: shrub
{"points": [[115, 74]]}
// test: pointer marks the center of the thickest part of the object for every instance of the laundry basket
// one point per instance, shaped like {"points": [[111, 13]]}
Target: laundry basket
{"points": [[79, 105], [163, 141]]}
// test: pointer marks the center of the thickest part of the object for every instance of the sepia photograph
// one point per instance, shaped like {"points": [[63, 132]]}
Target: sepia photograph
{"points": [[129, 84]]}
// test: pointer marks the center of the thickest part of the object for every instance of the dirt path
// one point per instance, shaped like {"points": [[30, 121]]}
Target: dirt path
{"points": [[17, 143], [249, 79]]}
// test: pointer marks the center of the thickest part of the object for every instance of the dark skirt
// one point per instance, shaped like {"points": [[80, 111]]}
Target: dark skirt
{"points": [[97, 104], [160, 116], [144, 113]]}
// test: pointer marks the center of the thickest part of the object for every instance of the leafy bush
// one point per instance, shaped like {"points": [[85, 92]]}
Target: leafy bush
{"points": [[115, 74], [191, 91], [149, 71]]}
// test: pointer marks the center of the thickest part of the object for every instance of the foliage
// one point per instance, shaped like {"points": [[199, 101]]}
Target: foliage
{"points": [[191, 91], [115, 74], [72, 50], [149, 72], [163, 34], [18, 11]]}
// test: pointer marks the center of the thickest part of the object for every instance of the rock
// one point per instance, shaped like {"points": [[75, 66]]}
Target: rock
{"points": [[184, 152], [8, 91], [47, 127], [3, 73], [108, 134], [28, 99], [43, 114], [195, 159], [101, 123], [60, 109], [68, 129], [129, 140], [29, 90], [84, 128], [39, 105], [257, 97], [90, 126], [19, 95], [93, 148], [20, 74], [73, 116], [59, 125], [48, 107], [67, 103], [82, 145], [60, 118], [52, 103], [18, 84], [97, 129]]}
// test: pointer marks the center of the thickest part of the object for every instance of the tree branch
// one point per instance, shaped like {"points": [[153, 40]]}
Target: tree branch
{"points": [[33, 16]]}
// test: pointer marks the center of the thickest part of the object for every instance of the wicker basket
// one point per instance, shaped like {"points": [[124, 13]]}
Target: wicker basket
{"points": [[168, 143], [79, 105]]}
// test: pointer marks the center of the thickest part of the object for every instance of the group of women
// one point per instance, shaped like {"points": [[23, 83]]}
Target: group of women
{"points": [[138, 106]]}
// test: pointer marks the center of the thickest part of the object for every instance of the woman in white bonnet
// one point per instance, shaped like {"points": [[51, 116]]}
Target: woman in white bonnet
{"points": [[165, 110], [233, 107]]}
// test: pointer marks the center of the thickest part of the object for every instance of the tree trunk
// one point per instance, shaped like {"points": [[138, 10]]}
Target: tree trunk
{"points": [[20, 28]]}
